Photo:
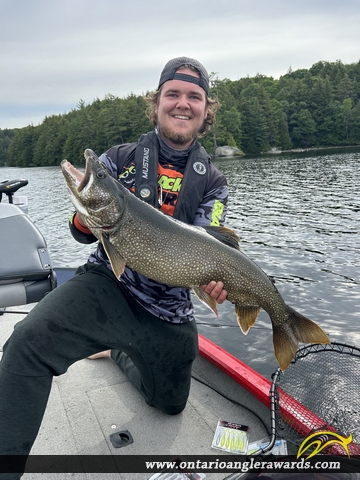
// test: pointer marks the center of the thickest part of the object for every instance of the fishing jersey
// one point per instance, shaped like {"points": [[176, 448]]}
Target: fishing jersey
{"points": [[172, 304]]}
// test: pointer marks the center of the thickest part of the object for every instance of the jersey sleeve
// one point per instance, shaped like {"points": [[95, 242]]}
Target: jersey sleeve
{"points": [[213, 207], [80, 236]]}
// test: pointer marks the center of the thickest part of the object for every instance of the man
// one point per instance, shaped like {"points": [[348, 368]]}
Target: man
{"points": [[147, 326]]}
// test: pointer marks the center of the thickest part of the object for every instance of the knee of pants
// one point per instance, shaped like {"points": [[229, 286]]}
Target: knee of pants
{"points": [[173, 409], [22, 353], [169, 406]]}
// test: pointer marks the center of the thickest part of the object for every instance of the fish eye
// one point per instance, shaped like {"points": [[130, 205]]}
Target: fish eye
{"points": [[101, 174]]}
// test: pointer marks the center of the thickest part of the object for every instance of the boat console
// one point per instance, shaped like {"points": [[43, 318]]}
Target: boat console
{"points": [[26, 272]]}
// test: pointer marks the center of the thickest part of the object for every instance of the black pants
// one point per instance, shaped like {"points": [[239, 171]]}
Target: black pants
{"points": [[87, 314]]}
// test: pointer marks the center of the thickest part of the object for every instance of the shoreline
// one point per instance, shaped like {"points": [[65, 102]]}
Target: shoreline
{"points": [[275, 151]]}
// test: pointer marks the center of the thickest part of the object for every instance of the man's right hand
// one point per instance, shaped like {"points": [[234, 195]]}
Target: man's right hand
{"points": [[216, 291]]}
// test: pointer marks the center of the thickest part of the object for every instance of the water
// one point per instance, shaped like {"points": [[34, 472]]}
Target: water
{"points": [[298, 219]]}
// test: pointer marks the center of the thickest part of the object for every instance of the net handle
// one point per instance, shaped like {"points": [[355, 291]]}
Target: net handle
{"points": [[272, 395]]}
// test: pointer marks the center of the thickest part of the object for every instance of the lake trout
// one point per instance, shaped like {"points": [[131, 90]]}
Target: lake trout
{"points": [[139, 236]]}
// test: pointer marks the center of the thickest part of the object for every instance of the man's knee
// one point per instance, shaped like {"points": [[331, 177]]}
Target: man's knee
{"points": [[173, 409], [22, 353]]}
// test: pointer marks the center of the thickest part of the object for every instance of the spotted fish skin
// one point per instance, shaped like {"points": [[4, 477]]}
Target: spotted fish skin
{"points": [[136, 235]]}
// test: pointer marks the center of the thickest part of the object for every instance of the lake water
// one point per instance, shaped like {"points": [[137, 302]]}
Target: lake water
{"points": [[298, 218]]}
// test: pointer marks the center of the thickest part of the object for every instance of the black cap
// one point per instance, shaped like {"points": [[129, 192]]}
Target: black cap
{"points": [[169, 72]]}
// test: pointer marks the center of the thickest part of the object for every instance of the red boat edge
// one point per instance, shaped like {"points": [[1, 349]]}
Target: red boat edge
{"points": [[241, 373]]}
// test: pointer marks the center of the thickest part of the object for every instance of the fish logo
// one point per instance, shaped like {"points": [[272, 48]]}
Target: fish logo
{"points": [[320, 440]]}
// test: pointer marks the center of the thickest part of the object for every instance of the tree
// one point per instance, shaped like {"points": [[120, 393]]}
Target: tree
{"points": [[232, 124], [344, 119], [20, 153], [346, 89], [315, 107], [81, 133], [278, 131], [6, 136], [303, 133], [354, 122], [52, 134], [255, 132], [321, 96]]}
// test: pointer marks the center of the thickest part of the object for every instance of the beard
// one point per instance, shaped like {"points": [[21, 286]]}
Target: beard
{"points": [[176, 137]]}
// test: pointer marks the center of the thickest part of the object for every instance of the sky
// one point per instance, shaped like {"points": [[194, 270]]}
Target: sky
{"points": [[54, 53]]}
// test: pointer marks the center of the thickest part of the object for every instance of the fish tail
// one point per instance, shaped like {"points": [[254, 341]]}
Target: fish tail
{"points": [[297, 328]]}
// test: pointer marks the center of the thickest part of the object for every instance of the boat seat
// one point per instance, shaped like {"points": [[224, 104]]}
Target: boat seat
{"points": [[26, 272]]}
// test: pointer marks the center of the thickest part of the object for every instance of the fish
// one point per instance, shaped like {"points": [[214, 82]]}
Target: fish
{"points": [[138, 235]]}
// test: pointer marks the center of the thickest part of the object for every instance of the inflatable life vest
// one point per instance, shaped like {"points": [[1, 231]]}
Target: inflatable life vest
{"points": [[193, 183]]}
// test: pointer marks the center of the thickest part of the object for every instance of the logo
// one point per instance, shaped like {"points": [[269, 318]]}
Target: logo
{"points": [[217, 213], [170, 184], [145, 192], [145, 171], [127, 172], [199, 168], [317, 442]]}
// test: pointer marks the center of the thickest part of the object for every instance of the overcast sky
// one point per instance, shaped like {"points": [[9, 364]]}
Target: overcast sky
{"points": [[55, 52]]}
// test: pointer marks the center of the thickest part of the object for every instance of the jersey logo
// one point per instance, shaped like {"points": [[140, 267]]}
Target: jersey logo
{"points": [[127, 172], [217, 212], [170, 184], [199, 168]]}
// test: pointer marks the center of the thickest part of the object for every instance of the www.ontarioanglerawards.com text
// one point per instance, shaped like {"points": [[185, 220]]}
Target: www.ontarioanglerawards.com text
{"points": [[244, 466]]}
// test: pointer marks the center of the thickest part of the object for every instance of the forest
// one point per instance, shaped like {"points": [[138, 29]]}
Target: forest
{"points": [[306, 108]]}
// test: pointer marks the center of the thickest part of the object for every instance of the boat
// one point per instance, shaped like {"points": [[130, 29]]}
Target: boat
{"points": [[96, 422]]}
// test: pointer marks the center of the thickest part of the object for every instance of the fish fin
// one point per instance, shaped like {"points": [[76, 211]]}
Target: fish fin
{"points": [[246, 316], [224, 235], [117, 262], [206, 299], [286, 337]]}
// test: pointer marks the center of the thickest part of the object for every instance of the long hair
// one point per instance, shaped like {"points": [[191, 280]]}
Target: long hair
{"points": [[152, 100]]}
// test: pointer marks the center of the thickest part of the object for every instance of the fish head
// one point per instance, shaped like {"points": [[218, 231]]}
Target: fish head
{"points": [[95, 194]]}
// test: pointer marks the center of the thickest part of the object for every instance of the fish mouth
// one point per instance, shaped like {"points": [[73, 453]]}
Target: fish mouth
{"points": [[79, 179]]}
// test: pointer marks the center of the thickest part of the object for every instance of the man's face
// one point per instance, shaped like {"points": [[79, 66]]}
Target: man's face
{"points": [[181, 111]]}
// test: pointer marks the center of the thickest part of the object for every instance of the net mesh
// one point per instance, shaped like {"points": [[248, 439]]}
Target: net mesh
{"points": [[320, 391]]}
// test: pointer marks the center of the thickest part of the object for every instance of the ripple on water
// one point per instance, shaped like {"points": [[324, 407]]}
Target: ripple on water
{"points": [[298, 219]]}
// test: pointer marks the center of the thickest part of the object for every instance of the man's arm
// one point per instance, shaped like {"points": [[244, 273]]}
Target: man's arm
{"points": [[212, 211]]}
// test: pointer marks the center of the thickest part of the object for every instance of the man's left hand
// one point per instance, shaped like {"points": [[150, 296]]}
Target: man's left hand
{"points": [[216, 291]]}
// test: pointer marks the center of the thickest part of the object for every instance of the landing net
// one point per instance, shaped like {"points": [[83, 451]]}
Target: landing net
{"points": [[319, 392]]}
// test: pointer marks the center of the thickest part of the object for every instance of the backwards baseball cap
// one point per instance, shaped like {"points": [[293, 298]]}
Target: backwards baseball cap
{"points": [[170, 73]]}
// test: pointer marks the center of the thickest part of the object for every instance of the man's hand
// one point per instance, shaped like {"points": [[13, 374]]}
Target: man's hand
{"points": [[216, 291]]}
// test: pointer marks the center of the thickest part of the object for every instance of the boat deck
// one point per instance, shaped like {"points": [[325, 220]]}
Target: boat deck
{"points": [[94, 399]]}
